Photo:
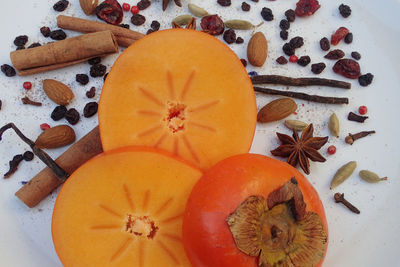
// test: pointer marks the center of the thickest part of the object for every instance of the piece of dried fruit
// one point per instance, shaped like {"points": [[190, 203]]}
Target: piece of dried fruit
{"points": [[45, 31], [290, 15], [348, 39], [8, 70], [110, 11], [44, 126], [331, 150], [281, 60], [134, 10], [72, 116], [239, 40], [324, 44], [365, 79], [28, 156], [306, 7], [138, 19], [58, 35], [91, 93], [58, 113], [356, 55], [284, 24], [27, 85], [143, 4], [293, 58], [343, 174], [229, 36], [155, 25], [276, 110], [212, 24], [347, 68], [344, 10], [371, 177], [335, 54], [296, 42], [55, 137], [82, 79], [296, 125], [224, 2], [317, 68], [339, 35], [266, 14], [333, 125], [257, 49], [362, 110], [245, 6], [288, 49], [21, 40], [304, 61], [284, 35], [58, 92], [89, 6], [94, 61], [17, 159], [90, 109], [60, 5], [98, 70]]}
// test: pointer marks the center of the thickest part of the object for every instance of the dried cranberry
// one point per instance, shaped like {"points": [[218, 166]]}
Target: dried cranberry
{"points": [[317, 68], [58, 113], [212, 24], [348, 39], [244, 62], [72, 116], [281, 60], [348, 68], [8, 70], [344, 10], [266, 14], [82, 79], [110, 11], [94, 61], [138, 19], [304, 61], [335, 54], [230, 36], [28, 156], [33, 45], [126, 26], [45, 31], [239, 40], [91, 93], [155, 25], [143, 4], [90, 109], [60, 5], [21, 40], [245, 6], [339, 35], [306, 7], [365, 79], [98, 70], [324, 44], [356, 55], [284, 35], [58, 35], [288, 49], [224, 2], [296, 42], [290, 15], [284, 24]]}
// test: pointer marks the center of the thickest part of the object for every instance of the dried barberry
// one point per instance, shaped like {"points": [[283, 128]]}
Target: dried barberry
{"points": [[324, 44], [288, 49], [244, 62], [339, 35], [212, 24], [281, 60], [344, 10], [317, 68], [296, 42], [304, 61], [138, 19], [58, 113], [91, 93], [155, 25], [45, 31], [284, 24], [356, 55], [149, 31], [34, 45], [335, 54], [110, 11], [365, 79], [245, 6], [94, 61], [82, 79], [13, 165], [348, 68], [239, 40], [98, 70], [72, 116], [266, 14], [143, 4], [58, 35], [126, 26], [230, 36], [8, 70], [348, 39], [21, 40], [224, 2], [290, 15], [90, 109], [60, 5], [284, 35], [28, 156], [306, 7]]}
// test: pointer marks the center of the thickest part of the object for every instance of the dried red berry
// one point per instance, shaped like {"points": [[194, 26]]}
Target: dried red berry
{"points": [[126, 6], [44, 126], [331, 150], [110, 11], [362, 110], [134, 10], [335, 54], [281, 60], [306, 7], [348, 68], [293, 58], [212, 24], [339, 35], [27, 85]]}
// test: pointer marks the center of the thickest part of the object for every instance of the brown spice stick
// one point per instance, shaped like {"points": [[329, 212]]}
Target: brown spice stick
{"points": [[313, 98], [278, 79], [27, 101], [64, 53], [124, 37], [40, 186]]}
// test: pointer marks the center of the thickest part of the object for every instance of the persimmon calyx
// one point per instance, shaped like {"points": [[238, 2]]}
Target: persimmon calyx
{"points": [[274, 234]]}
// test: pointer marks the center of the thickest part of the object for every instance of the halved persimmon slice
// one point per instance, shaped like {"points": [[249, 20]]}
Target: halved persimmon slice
{"points": [[124, 208], [182, 91]]}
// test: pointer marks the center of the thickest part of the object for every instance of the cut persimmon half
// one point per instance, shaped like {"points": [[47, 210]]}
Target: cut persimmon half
{"points": [[183, 91], [124, 208]]}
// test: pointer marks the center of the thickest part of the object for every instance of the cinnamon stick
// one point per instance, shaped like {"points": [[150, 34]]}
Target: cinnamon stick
{"points": [[64, 53], [40, 186], [124, 37], [278, 79]]}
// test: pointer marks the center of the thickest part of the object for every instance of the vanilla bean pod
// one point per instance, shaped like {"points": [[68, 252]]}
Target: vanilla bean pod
{"points": [[313, 98], [278, 79]]}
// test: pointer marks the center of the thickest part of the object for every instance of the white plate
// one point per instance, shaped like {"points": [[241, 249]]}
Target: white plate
{"points": [[368, 239]]}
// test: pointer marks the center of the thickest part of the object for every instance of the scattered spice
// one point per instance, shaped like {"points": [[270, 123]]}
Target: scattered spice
{"points": [[266, 14], [296, 125], [317, 68], [288, 49], [8, 70], [284, 24], [324, 44], [331, 150], [94, 61], [58, 35], [27, 85], [28, 156], [339, 35], [239, 40], [354, 117], [281, 60], [72, 116], [343, 173], [138, 19], [98, 70], [306, 7], [212, 24], [90, 109], [335, 54], [21, 40], [197, 11], [110, 11], [304, 61], [91, 93], [230, 36], [349, 38], [27, 101], [60, 5], [353, 137], [348, 68], [344, 10], [333, 125], [17, 159], [296, 42], [371, 177], [245, 6], [366, 79], [362, 110], [44, 126], [155, 25], [339, 198], [290, 15], [356, 55], [224, 2], [34, 45], [82, 79], [284, 35], [143, 4], [58, 113], [244, 62], [293, 58]]}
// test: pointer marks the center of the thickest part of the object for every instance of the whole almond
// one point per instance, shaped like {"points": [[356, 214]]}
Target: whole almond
{"points": [[277, 110], [58, 92], [257, 49], [88, 6], [55, 137]]}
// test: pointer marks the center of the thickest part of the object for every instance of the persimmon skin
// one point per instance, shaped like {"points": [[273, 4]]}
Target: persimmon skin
{"points": [[206, 235]]}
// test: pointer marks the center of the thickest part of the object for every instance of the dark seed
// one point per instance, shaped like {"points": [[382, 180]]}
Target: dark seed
{"points": [[21, 40], [143, 4], [239, 40], [304, 61], [82, 79], [356, 55], [284, 35], [58, 35], [126, 26], [344, 10], [138, 19], [13, 165], [284, 24], [72, 116], [45, 31], [155, 25], [317, 68], [348, 39], [365, 79], [34, 45], [245, 6], [94, 61], [281, 60], [60, 5], [98, 70], [28, 156], [266, 14], [8, 70], [244, 62], [290, 15], [335, 54], [296, 42], [91, 93], [58, 113], [224, 2], [90, 109], [288, 49], [325, 44], [230, 36]]}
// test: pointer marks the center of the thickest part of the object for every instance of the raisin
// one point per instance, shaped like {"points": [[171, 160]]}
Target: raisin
{"points": [[348, 68], [34, 45], [138, 19], [60, 5], [20, 47], [58, 113], [290, 15], [284, 35], [110, 11], [317, 68], [324, 44], [150, 31], [91, 93], [365, 79], [90, 109], [224, 2], [244, 62], [288, 49], [94, 61], [296, 42], [335, 54], [58, 35], [245, 6], [266, 14], [45, 31], [21, 40], [230, 36], [212, 24], [126, 26], [155, 25], [98, 70], [8, 70], [304, 61], [239, 40], [82, 79], [28, 156], [348, 39], [356, 55], [143, 4], [344, 10], [72, 116], [284, 24], [306, 7], [13, 165], [339, 35], [281, 60]]}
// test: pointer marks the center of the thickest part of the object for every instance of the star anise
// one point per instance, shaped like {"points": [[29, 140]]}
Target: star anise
{"points": [[166, 2], [299, 150]]}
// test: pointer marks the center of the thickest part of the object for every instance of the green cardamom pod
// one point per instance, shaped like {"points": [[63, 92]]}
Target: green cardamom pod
{"points": [[371, 177], [197, 11], [182, 19], [296, 125], [334, 125], [343, 173], [238, 24]]}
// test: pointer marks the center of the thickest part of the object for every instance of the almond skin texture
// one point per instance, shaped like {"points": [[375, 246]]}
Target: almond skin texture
{"points": [[58, 92], [55, 137], [257, 49], [277, 110], [88, 6]]}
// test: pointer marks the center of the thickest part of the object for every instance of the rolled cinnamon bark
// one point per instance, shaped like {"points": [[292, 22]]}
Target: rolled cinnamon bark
{"points": [[40, 186], [64, 53], [125, 37]]}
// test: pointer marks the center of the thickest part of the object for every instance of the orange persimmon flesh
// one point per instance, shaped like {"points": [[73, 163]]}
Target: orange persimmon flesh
{"points": [[207, 238], [183, 91], [124, 208]]}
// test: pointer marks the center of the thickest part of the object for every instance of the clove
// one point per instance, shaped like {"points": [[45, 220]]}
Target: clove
{"points": [[353, 137], [27, 101], [339, 198], [354, 117]]}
